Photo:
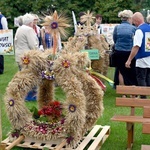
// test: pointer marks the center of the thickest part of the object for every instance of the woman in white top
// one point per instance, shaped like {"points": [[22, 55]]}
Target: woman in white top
{"points": [[25, 37]]}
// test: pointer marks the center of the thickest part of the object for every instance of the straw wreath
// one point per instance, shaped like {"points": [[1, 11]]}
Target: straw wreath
{"points": [[75, 116], [83, 103]]}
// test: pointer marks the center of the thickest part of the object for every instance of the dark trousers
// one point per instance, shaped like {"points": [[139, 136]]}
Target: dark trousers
{"points": [[1, 64], [129, 74], [143, 77]]}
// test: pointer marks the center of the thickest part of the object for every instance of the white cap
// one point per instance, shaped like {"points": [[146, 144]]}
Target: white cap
{"points": [[27, 19]]}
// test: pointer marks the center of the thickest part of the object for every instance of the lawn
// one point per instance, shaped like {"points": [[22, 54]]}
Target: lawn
{"points": [[117, 139]]}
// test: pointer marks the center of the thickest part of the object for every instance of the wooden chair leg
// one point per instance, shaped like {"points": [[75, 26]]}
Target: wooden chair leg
{"points": [[132, 134], [130, 129]]}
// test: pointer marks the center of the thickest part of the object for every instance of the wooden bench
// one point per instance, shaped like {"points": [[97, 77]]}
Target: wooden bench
{"points": [[133, 101]]}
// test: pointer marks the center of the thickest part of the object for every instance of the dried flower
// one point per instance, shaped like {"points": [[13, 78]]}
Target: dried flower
{"points": [[49, 75], [26, 60], [66, 64], [11, 102], [72, 108], [54, 25], [69, 139]]}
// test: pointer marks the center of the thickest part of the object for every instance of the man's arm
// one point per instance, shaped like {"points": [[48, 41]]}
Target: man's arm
{"points": [[134, 51], [137, 44]]}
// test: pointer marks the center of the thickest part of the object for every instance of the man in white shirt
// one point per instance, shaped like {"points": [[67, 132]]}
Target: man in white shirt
{"points": [[141, 50], [3, 26]]}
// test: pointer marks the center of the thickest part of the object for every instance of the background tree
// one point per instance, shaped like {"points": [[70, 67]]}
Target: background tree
{"points": [[108, 8], [12, 9]]}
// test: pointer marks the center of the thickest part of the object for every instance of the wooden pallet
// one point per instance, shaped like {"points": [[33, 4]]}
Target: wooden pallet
{"points": [[92, 141]]}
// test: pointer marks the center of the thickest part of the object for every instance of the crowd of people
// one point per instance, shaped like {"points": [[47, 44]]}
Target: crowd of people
{"points": [[132, 48], [131, 40], [29, 35]]}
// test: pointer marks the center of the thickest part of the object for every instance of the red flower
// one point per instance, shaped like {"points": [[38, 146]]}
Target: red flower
{"points": [[54, 109], [55, 103], [40, 112]]}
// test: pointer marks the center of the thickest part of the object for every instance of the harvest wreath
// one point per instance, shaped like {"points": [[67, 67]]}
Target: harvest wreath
{"points": [[70, 119], [82, 108]]}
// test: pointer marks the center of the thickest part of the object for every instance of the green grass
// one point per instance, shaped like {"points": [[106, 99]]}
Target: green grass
{"points": [[117, 139]]}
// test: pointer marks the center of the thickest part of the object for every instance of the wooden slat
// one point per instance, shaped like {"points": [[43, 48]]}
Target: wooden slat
{"points": [[146, 111], [16, 142], [146, 128], [60, 146], [131, 102], [102, 136], [145, 147], [38, 144], [28, 143], [133, 90], [88, 138], [132, 119]]}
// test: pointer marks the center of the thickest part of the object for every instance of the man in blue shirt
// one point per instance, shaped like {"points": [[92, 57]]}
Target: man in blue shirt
{"points": [[3, 26]]}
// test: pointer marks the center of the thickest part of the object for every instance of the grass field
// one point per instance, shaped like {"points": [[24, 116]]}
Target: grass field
{"points": [[118, 135]]}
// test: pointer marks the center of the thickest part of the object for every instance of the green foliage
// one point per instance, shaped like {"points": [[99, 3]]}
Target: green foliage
{"points": [[108, 8], [34, 111], [15, 8]]}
